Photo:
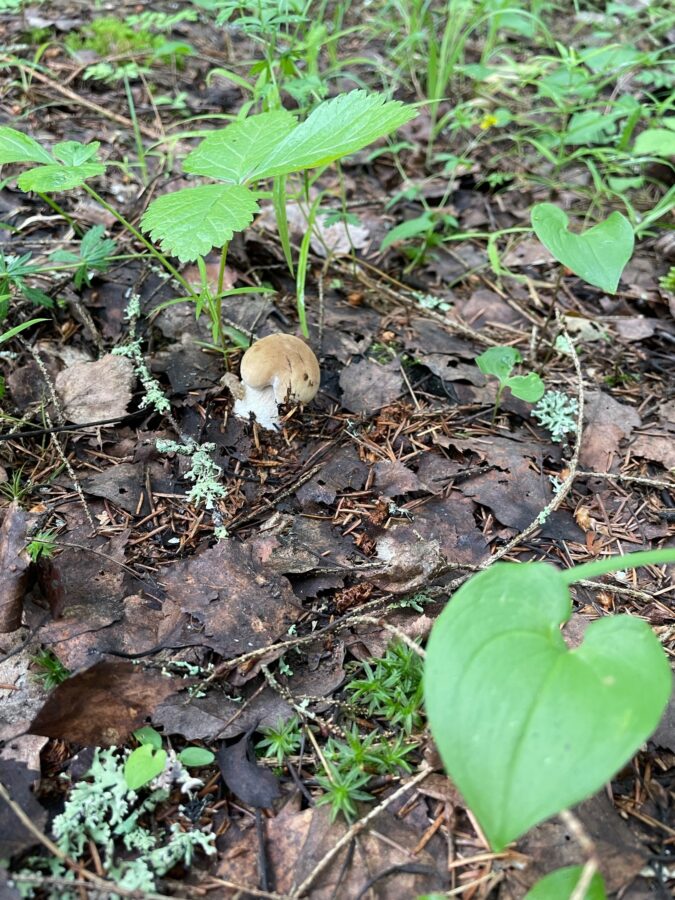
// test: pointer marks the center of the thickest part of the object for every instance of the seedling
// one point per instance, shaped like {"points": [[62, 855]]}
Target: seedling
{"points": [[525, 726], [598, 255], [148, 761], [51, 672], [499, 361]]}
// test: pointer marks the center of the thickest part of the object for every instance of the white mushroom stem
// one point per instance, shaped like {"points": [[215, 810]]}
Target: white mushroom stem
{"points": [[262, 403]]}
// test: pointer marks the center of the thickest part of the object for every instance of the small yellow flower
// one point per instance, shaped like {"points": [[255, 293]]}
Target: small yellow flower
{"points": [[488, 121]]}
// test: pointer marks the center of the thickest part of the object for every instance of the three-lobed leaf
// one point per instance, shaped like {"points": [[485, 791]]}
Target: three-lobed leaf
{"points": [[526, 726], [598, 255], [190, 222], [232, 153], [336, 128]]}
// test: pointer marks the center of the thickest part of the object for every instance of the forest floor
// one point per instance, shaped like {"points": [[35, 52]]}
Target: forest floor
{"points": [[351, 526]]}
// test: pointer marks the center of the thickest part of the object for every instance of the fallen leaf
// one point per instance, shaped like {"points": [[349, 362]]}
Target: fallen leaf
{"points": [[102, 705], [657, 447], [96, 390], [250, 783], [235, 603], [368, 386], [14, 836], [606, 423]]}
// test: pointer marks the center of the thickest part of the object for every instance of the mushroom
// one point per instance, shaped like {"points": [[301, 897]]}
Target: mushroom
{"points": [[279, 368]]}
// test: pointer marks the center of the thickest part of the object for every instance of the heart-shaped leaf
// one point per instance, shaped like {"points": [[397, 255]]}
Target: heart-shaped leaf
{"points": [[526, 387], [598, 255], [498, 361], [525, 726], [559, 885], [142, 765]]}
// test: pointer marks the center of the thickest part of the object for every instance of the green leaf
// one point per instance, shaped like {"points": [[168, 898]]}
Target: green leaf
{"points": [[143, 764], [232, 153], [559, 885], [58, 178], [655, 142], [410, 228], [498, 361], [190, 222], [15, 146], [598, 255], [195, 757], [148, 735], [8, 335], [525, 726], [526, 387], [73, 153], [335, 129]]}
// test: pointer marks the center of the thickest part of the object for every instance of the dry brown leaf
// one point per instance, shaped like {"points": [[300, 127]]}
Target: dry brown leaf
{"points": [[101, 706], [96, 390]]}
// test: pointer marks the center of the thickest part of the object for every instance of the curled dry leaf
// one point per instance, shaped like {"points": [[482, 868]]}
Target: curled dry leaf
{"points": [[14, 564]]}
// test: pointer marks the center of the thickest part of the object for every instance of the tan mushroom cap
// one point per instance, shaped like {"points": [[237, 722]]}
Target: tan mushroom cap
{"points": [[286, 364]]}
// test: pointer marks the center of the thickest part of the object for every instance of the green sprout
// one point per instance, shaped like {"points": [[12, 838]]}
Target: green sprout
{"points": [[499, 362]]}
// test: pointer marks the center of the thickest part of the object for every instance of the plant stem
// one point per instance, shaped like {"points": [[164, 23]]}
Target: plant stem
{"points": [[139, 237], [221, 270], [617, 563], [57, 209], [498, 400]]}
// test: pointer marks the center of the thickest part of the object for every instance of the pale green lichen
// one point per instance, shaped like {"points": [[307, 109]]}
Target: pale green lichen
{"points": [[558, 413], [203, 471], [103, 810]]}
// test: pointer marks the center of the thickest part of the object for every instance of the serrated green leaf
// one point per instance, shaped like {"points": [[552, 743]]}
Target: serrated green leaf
{"points": [[232, 154], [559, 885], [598, 255], [526, 387], [189, 223], [142, 765], [526, 726], [335, 129], [195, 757], [73, 153], [58, 178], [498, 361], [15, 146]]}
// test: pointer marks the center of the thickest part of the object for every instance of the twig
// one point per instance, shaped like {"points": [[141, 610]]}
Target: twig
{"points": [[82, 101]]}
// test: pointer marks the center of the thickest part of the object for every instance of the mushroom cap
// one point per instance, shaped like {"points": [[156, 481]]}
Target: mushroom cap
{"points": [[286, 364]]}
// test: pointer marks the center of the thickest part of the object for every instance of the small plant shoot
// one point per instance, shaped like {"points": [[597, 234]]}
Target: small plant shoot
{"points": [[598, 255], [499, 362], [525, 726], [143, 764], [190, 222]]}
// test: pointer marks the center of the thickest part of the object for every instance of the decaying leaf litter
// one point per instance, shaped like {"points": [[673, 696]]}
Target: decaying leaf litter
{"points": [[347, 529]]}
